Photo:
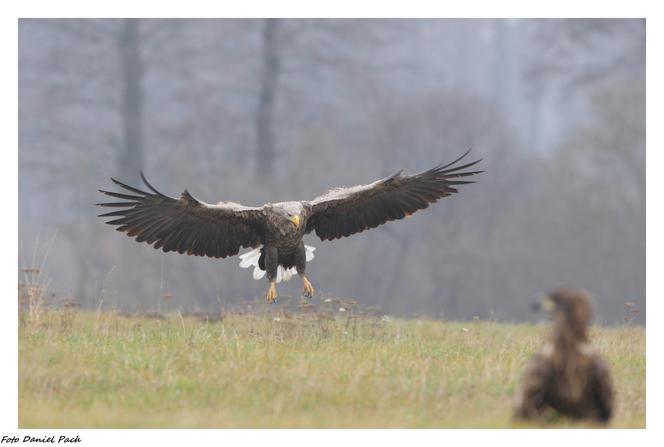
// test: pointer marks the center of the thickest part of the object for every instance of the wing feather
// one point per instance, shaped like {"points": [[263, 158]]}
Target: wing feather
{"points": [[344, 211], [602, 388], [186, 224]]}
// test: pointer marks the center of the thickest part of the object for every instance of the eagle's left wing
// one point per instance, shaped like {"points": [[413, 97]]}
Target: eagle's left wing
{"points": [[345, 211]]}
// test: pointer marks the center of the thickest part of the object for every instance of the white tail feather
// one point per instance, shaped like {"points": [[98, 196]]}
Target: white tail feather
{"points": [[258, 273], [251, 258], [309, 252]]}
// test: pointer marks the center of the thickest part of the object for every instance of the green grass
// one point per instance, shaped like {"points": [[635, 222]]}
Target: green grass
{"points": [[106, 370]]}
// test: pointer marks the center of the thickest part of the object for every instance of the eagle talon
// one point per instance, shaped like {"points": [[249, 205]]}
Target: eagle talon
{"points": [[308, 289], [271, 295]]}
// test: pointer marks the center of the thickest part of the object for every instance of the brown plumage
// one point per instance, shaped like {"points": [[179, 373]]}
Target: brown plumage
{"points": [[344, 211], [568, 375], [188, 225], [185, 225]]}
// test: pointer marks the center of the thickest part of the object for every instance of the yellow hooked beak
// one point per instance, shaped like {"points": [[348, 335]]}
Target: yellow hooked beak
{"points": [[547, 303], [296, 221]]}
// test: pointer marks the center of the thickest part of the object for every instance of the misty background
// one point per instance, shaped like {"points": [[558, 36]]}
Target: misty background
{"points": [[258, 110]]}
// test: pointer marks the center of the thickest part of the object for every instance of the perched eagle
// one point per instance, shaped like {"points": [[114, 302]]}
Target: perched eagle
{"points": [[568, 375], [275, 230]]}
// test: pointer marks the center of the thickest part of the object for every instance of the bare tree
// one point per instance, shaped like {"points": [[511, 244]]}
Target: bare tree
{"points": [[271, 65], [583, 51], [131, 157]]}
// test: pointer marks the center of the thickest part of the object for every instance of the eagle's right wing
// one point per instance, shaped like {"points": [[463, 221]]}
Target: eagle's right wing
{"points": [[186, 225]]}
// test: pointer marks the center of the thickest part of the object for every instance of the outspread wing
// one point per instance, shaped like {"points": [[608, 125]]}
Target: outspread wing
{"points": [[185, 225], [345, 211]]}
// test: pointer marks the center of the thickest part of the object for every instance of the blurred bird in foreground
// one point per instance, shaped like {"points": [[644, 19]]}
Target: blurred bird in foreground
{"points": [[567, 375]]}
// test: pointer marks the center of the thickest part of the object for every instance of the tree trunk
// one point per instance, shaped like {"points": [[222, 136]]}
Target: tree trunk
{"points": [[265, 147], [131, 158], [131, 155]]}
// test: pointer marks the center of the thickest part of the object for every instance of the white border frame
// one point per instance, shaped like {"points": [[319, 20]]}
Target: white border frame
{"points": [[344, 8]]}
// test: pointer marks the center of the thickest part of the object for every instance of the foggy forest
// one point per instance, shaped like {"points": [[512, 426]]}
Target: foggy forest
{"points": [[266, 110]]}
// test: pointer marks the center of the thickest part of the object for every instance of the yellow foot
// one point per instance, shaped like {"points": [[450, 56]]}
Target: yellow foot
{"points": [[271, 293], [308, 290]]}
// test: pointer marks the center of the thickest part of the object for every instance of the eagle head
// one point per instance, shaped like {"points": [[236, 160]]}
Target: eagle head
{"points": [[570, 308], [289, 211]]}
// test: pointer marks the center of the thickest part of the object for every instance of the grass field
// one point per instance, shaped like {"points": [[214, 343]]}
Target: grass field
{"points": [[275, 369]]}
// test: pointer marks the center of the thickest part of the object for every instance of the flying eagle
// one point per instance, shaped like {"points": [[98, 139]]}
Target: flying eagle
{"points": [[568, 375], [275, 230]]}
